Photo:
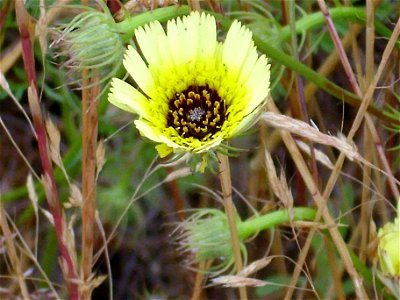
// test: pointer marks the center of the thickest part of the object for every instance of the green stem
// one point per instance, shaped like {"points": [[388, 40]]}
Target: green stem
{"points": [[317, 19], [163, 14], [365, 272], [250, 227]]}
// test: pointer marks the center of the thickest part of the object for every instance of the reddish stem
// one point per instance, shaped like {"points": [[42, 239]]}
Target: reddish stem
{"points": [[114, 6], [23, 19]]}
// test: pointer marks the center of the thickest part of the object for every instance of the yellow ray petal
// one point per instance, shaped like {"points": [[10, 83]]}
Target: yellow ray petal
{"points": [[128, 98], [207, 36], [236, 47], [137, 68], [151, 40], [258, 83], [147, 130]]}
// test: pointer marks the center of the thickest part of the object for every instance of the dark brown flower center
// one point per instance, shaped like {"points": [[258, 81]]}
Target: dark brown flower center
{"points": [[197, 112]]}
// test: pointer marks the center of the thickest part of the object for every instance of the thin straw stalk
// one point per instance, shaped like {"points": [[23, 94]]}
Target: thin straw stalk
{"points": [[226, 185]]}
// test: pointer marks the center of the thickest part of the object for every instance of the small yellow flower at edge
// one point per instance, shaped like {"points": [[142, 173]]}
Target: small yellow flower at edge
{"points": [[389, 246], [193, 91]]}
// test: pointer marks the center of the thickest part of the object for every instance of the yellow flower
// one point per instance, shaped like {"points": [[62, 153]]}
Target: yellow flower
{"points": [[194, 92], [389, 246]]}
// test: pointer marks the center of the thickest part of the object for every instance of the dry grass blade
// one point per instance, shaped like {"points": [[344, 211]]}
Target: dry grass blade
{"points": [[304, 130], [179, 173], [54, 146], [319, 155], [4, 84], [321, 204], [255, 266], [234, 281], [242, 278], [18, 149], [47, 215], [278, 185], [26, 249], [75, 198], [34, 200], [106, 254], [368, 96], [32, 193], [92, 282], [100, 157], [226, 186], [12, 253]]}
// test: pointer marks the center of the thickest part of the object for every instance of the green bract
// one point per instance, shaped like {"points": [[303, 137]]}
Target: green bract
{"points": [[89, 42]]}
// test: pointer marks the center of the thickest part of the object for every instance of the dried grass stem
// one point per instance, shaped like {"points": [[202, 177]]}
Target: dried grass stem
{"points": [[226, 185], [89, 145]]}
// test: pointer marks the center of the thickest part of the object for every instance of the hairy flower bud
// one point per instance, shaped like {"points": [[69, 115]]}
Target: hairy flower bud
{"points": [[206, 235], [89, 42]]}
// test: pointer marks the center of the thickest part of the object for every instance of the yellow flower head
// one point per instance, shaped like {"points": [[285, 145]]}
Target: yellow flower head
{"points": [[389, 246], [193, 91]]}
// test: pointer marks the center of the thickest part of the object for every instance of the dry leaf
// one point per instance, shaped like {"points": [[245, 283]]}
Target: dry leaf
{"points": [[100, 157], [48, 215], [75, 198], [182, 172], [279, 185], [6, 87], [319, 155], [68, 238], [55, 138], [32, 193], [303, 129], [237, 281], [54, 144], [255, 266]]}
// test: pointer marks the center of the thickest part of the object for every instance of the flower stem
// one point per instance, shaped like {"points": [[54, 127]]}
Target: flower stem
{"points": [[338, 13], [163, 14], [89, 143], [226, 185], [267, 221]]}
